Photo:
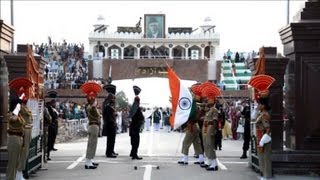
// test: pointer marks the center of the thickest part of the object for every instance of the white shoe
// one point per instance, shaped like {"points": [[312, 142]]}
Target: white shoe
{"points": [[19, 175]]}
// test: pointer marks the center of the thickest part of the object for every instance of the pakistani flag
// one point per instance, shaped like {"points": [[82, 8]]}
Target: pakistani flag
{"points": [[183, 106]]}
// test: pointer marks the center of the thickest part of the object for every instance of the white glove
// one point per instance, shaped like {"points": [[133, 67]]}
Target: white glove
{"points": [[22, 96], [17, 109], [265, 139]]}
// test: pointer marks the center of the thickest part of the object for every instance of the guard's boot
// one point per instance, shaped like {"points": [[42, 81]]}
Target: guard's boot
{"points": [[244, 155]]}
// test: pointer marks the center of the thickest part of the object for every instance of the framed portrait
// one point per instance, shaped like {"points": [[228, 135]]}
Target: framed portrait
{"points": [[154, 25]]}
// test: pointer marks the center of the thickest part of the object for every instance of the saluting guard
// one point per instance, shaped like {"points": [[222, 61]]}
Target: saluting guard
{"points": [[19, 131], [92, 89]]}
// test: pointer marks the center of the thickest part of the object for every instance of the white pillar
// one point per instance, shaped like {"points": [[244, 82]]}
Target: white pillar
{"points": [[212, 52], [170, 53], [187, 53], [122, 52], [202, 53], [107, 54], [92, 48], [138, 53]]}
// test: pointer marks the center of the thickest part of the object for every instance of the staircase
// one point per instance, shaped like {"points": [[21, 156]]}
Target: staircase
{"points": [[230, 80]]}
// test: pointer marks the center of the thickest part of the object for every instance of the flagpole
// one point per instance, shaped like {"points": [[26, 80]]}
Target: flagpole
{"points": [[288, 11], [12, 24]]}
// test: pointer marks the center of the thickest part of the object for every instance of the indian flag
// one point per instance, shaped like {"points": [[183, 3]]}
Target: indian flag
{"points": [[183, 106]]}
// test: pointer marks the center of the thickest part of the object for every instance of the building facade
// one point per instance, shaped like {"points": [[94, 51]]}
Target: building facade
{"points": [[176, 43]]}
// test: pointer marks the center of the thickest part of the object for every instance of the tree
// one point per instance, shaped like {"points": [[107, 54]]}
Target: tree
{"points": [[122, 100]]}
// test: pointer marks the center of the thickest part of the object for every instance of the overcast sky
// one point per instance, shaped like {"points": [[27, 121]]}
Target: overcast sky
{"points": [[242, 25]]}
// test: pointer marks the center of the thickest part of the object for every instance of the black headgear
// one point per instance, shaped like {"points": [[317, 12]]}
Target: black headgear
{"points": [[110, 88], [136, 90], [264, 101]]}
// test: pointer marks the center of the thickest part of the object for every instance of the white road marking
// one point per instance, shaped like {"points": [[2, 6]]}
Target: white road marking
{"points": [[234, 162], [147, 172], [221, 166], [150, 147], [74, 164]]}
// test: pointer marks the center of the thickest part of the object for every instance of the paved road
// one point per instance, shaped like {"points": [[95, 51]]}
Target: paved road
{"points": [[157, 149]]}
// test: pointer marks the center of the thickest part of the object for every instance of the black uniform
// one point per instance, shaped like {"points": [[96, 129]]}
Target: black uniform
{"points": [[109, 124], [246, 113], [52, 128], [137, 120], [221, 122]]}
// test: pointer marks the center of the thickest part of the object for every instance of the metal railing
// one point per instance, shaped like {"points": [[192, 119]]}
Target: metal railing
{"points": [[75, 126]]}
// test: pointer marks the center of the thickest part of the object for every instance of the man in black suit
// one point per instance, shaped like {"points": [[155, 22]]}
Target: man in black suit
{"points": [[137, 120], [109, 120]]}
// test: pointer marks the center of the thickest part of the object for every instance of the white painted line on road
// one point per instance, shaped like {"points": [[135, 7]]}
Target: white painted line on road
{"points": [[234, 162], [147, 172], [221, 166], [150, 147], [74, 164]]}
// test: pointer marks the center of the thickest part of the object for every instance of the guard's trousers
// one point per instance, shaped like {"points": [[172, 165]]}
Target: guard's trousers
{"points": [[93, 132], [265, 163], [192, 137], [14, 145]]}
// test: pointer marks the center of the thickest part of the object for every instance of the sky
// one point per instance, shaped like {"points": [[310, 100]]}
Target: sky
{"points": [[242, 25]]}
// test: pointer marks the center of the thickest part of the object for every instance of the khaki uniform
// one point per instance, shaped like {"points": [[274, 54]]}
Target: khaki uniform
{"points": [[209, 131], [93, 131], [27, 116], [264, 153], [192, 137], [47, 121], [14, 144]]}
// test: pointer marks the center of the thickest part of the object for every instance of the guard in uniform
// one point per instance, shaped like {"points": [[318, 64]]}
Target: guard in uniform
{"points": [[210, 125], [221, 122], [92, 89], [109, 120], [137, 121], [47, 121], [54, 125], [19, 132], [246, 137], [261, 84], [192, 130]]}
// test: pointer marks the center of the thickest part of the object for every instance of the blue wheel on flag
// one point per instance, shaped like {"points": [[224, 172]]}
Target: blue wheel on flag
{"points": [[184, 103]]}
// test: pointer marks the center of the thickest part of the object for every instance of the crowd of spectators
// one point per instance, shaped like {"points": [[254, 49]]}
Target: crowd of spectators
{"points": [[66, 66]]}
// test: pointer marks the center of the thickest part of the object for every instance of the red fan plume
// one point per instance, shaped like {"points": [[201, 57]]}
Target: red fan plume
{"points": [[261, 82], [91, 88]]}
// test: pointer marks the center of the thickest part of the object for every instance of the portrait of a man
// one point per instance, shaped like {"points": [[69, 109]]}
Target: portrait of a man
{"points": [[154, 25]]}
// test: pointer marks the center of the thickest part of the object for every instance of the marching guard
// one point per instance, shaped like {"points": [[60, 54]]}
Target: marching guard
{"points": [[210, 125], [192, 131]]}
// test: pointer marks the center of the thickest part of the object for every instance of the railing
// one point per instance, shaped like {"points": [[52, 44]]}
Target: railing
{"points": [[145, 57], [75, 126], [131, 35]]}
